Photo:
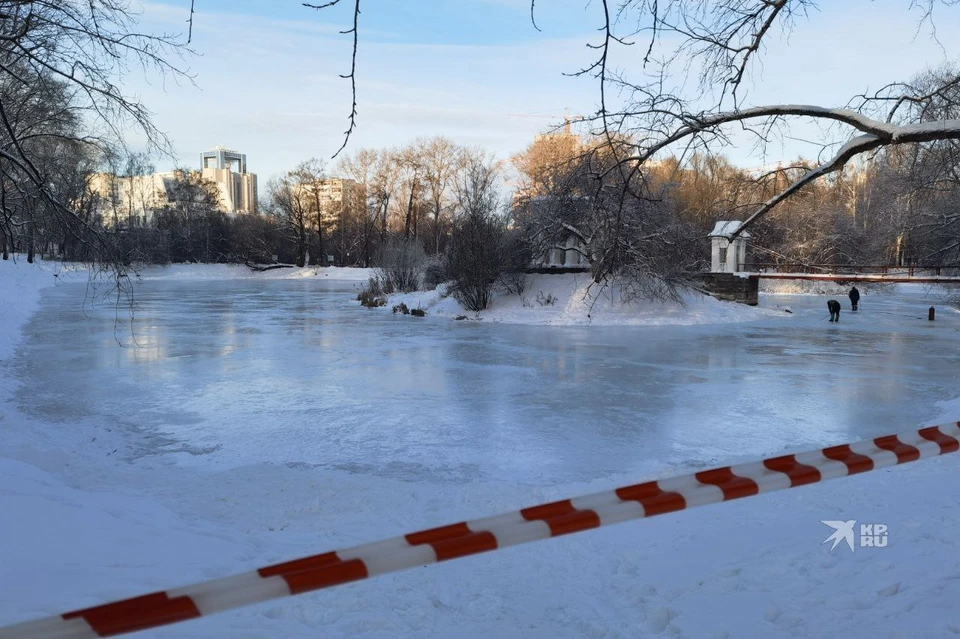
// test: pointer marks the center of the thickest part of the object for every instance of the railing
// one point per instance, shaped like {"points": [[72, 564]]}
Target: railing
{"points": [[882, 269], [466, 538]]}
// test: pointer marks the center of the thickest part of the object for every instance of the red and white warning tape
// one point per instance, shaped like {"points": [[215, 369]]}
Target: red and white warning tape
{"points": [[468, 538]]}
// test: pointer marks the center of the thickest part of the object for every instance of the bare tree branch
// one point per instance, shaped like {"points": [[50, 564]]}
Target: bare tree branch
{"points": [[352, 76]]}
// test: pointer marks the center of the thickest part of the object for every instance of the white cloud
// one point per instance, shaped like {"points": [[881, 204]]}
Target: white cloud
{"points": [[269, 87]]}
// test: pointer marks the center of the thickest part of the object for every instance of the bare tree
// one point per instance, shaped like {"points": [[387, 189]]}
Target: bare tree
{"points": [[475, 259], [400, 264], [361, 167], [87, 48], [438, 161], [719, 43], [309, 178], [621, 226], [409, 166], [43, 126], [289, 203], [384, 183], [192, 219], [545, 162]]}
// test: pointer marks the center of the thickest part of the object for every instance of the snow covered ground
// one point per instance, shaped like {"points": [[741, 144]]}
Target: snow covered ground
{"points": [[573, 299], [246, 420]]}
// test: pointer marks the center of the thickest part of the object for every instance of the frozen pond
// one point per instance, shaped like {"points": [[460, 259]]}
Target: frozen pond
{"points": [[235, 372]]}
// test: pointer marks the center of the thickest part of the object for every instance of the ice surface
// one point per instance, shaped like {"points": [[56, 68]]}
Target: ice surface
{"points": [[243, 422], [238, 372]]}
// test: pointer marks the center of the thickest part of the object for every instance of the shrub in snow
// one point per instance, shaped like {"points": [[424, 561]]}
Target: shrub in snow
{"points": [[475, 259], [475, 255], [545, 300], [401, 308], [373, 295], [371, 301], [517, 257], [435, 273], [402, 264], [418, 312]]}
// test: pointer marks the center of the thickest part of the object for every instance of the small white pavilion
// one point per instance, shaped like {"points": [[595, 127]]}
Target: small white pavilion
{"points": [[727, 256]]}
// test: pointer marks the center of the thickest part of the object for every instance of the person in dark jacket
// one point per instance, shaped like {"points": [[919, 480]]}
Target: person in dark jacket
{"points": [[834, 307], [854, 298]]}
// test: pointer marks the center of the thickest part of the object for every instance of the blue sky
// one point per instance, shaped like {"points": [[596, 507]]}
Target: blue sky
{"points": [[266, 73], [483, 22]]}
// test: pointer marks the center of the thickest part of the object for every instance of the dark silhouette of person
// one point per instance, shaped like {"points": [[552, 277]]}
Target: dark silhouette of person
{"points": [[834, 307], [854, 298]]}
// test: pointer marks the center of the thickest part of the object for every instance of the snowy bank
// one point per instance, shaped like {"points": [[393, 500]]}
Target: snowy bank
{"points": [[823, 287], [573, 299], [20, 286]]}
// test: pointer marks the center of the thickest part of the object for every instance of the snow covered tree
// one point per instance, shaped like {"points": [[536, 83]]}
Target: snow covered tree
{"points": [[720, 42], [621, 225]]}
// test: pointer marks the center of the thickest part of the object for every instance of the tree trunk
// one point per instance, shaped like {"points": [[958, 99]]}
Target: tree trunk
{"points": [[416, 221], [3, 235], [316, 199], [301, 247], [436, 221], [366, 243], [383, 223], [406, 225], [323, 256]]}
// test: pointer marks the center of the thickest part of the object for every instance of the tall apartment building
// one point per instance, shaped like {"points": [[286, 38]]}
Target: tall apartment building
{"points": [[130, 200], [341, 198], [228, 170]]}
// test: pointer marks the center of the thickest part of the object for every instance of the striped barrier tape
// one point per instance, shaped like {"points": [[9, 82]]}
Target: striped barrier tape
{"points": [[482, 535]]}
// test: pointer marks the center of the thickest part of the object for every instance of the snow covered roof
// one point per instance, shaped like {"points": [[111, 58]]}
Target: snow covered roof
{"points": [[724, 229]]}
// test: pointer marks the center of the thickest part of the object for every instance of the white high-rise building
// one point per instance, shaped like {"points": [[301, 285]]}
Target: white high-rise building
{"points": [[228, 170]]}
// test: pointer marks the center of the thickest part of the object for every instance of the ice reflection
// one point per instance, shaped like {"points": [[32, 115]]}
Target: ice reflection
{"points": [[148, 344], [294, 371]]}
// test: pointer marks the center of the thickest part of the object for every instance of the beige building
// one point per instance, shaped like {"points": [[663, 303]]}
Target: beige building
{"points": [[127, 201], [340, 199], [228, 170], [130, 200]]}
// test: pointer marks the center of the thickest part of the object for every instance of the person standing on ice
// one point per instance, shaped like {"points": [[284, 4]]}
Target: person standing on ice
{"points": [[854, 298], [834, 307]]}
